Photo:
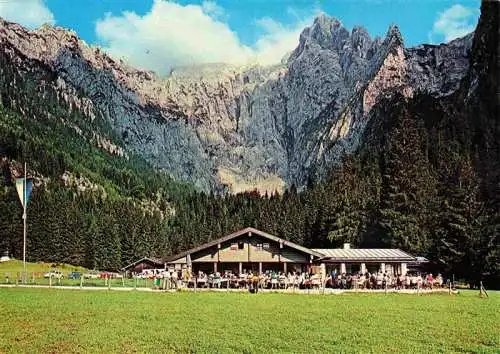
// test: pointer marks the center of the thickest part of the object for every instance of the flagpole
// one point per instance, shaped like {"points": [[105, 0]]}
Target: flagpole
{"points": [[25, 217]]}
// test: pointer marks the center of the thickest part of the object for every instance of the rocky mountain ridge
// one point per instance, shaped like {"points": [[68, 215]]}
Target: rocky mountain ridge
{"points": [[244, 128]]}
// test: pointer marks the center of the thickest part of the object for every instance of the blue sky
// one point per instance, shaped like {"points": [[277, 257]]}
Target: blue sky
{"points": [[414, 17], [201, 31]]}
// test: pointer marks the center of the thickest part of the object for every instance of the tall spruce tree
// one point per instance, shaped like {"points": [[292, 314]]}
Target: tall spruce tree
{"points": [[407, 186]]}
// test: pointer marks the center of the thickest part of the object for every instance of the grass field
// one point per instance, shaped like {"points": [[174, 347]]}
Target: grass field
{"points": [[11, 271], [15, 267], [66, 321]]}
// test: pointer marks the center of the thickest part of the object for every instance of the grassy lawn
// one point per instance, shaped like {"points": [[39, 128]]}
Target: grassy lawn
{"points": [[61, 321], [12, 270], [14, 267]]}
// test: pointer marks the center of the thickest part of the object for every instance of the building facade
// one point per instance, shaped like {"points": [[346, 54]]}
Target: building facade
{"points": [[257, 251]]}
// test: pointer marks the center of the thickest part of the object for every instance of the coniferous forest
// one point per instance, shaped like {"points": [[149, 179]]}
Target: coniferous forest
{"points": [[426, 179]]}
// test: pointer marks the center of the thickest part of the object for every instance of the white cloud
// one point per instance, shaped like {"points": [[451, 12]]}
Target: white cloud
{"points": [[29, 13], [454, 22], [277, 40], [212, 9], [173, 35]]}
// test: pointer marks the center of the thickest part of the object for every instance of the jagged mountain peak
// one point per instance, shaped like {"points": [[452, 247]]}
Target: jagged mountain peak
{"points": [[324, 23], [360, 31], [361, 41], [50, 43], [243, 127], [327, 32], [392, 43], [394, 35]]}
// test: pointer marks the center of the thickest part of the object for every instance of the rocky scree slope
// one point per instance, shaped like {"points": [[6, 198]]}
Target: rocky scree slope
{"points": [[237, 127]]}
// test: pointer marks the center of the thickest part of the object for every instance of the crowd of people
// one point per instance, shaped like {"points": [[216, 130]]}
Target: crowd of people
{"points": [[300, 280], [381, 280]]}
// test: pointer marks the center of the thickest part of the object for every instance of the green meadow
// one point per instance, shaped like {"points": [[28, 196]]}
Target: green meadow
{"points": [[76, 321], [14, 268]]}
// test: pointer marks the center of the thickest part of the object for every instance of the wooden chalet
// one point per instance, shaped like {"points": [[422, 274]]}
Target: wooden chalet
{"points": [[143, 264], [257, 251], [246, 250]]}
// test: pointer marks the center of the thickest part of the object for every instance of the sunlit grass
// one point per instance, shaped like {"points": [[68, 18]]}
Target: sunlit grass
{"points": [[14, 268], [11, 272], [50, 320]]}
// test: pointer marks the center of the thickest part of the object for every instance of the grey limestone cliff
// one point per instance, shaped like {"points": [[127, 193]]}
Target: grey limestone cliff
{"points": [[242, 127]]}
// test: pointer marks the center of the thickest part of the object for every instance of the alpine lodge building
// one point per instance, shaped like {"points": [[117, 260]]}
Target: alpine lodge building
{"points": [[257, 251]]}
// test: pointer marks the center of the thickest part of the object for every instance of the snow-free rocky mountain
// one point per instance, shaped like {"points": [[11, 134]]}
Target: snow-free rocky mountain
{"points": [[240, 127]]}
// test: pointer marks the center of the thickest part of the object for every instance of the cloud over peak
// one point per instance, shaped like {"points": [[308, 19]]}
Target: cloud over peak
{"points": [[29, 13], [455, 22], [172, 35]]}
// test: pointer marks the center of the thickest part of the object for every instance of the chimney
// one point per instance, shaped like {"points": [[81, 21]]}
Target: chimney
{"points": [[347, 246]]}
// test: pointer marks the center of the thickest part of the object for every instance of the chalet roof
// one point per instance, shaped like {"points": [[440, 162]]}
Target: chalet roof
{"points": [[419, 260], [240, 233], [364, 254], [156, 261]]}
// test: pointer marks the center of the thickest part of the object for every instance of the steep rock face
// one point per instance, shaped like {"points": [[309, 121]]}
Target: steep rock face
{"points": [[101, 87], [254, 127], [391, 75], [438, 69]]}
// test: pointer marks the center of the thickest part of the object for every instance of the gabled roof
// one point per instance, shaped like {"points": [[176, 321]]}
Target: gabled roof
{"points": [[361, 254], [240, 233], [157, 261]]}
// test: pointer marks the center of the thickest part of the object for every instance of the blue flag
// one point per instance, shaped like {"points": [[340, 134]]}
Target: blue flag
{"points": [[20, 187]]}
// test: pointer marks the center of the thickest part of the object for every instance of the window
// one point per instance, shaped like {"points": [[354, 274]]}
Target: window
{"points": [[265, 245], [234, 246], [259, 246], [241, 245]]}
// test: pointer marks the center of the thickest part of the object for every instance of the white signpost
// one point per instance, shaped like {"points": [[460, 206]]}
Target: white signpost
{"points": [[24, 187]]}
